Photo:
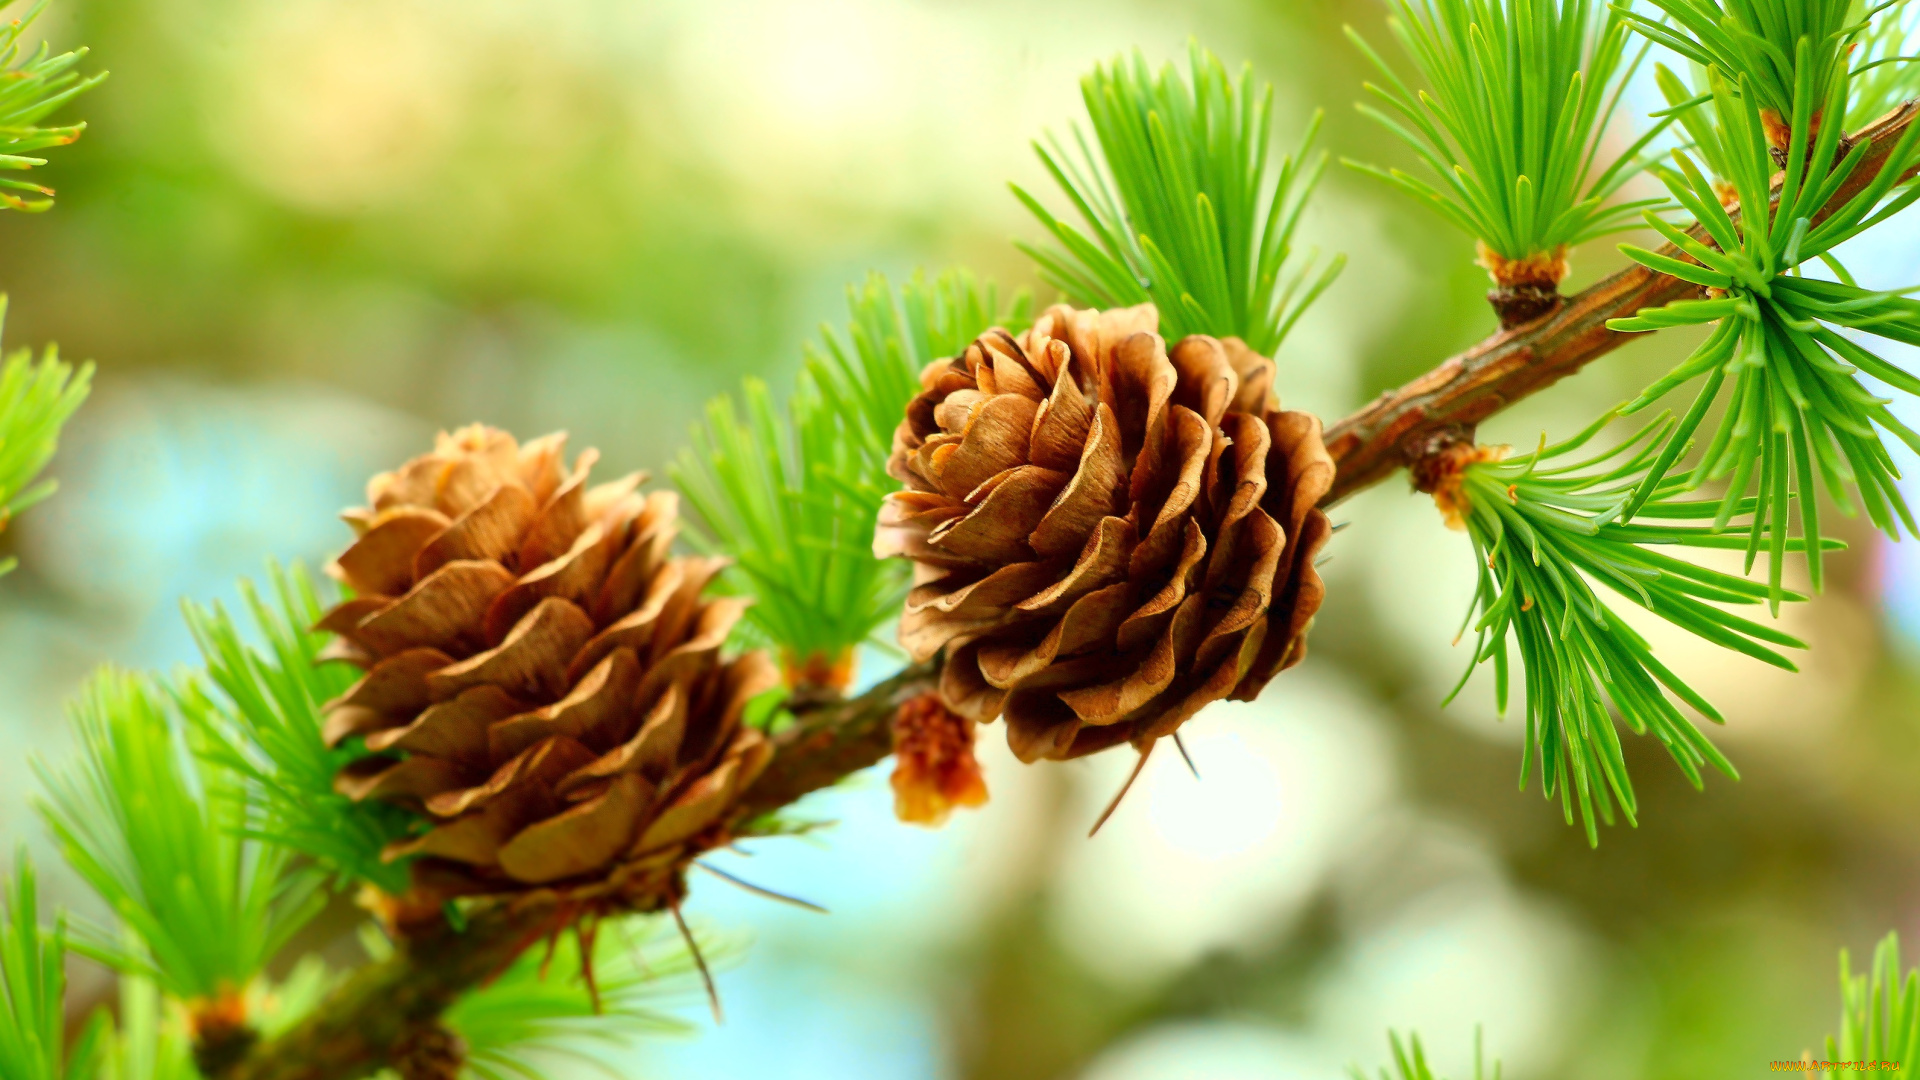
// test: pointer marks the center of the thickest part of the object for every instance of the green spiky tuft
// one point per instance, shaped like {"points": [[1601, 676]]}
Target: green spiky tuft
{"points": [[1179, 206]]}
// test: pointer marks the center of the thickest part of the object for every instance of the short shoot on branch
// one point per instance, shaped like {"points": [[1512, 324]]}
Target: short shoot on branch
{"points": [[1513, 117], [1180, 205], [1543, 532]]}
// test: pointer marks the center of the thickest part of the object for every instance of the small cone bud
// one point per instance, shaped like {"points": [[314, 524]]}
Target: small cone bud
{"points": [[1439, 469], [1779, 129], [934, 767], [1524, 288], [817, 672], [1544, 269], [1779, 132]]}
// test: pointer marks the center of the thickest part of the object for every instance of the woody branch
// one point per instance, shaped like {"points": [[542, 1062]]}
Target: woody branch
{"points": [[356, 1030]]}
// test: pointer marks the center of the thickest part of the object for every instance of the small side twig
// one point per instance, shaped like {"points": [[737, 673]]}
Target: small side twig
{"points": [[1371, 444]]}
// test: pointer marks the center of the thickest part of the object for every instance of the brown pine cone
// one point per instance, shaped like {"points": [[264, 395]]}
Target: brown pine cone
{"points": [[544, 683], [1105, 536]]}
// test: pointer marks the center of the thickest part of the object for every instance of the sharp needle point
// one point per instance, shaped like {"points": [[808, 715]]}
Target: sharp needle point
{"points": [[1186, 757], [1122, 793]]}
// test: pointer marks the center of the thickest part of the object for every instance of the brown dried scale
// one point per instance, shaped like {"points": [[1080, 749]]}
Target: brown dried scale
{"points": [[1107, 535], [544, 684]]}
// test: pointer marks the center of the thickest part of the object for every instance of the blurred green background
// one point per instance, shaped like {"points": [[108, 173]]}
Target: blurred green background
{"points": [[300, 235]]}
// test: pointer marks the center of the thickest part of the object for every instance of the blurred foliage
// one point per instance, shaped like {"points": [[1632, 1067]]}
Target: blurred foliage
{"points": [[142, 1043], [1880, 1011], [33, 981], [36, 399], [554, 1008], [159, 836], [1885, 73], [1410, 1061], [579, 998]]}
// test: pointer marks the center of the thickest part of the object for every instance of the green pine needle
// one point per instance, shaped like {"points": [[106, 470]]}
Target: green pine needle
{"points": [[1543, 531], [1880, 1011], [143, 1045], [1798, 417], [32, 87], [1179, 205], [1757, 42], [1886, 73], [791, 495], [1410, 1060], [1512, 118], [257, 715], [36, 399], [157, 833], [33, 982], [1683, 102]]}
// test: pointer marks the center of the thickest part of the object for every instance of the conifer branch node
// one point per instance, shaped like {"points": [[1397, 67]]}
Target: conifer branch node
{"points": [[1524, 289], [1374, 442]]}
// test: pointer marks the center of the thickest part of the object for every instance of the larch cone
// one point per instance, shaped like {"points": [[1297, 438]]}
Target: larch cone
{"points": [[1107, 535], [544, 683]]}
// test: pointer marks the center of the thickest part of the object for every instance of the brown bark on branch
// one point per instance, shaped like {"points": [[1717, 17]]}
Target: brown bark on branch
{"points": [[382, 1007], [362, 1024], [1369, 445], [829, 742]]}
